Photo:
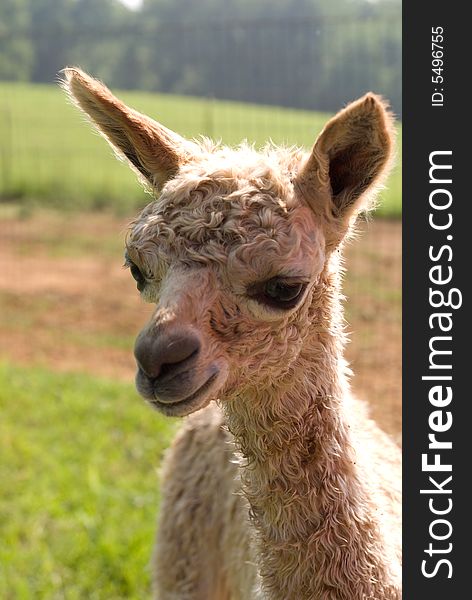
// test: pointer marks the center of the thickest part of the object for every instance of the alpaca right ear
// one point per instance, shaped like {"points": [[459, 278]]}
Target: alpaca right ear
{"points": [[348, 163], [153, 151]]}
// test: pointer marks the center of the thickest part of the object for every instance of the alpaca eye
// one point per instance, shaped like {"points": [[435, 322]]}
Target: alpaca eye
{"points": [[278, 293], [283, 293], [138, 276]]}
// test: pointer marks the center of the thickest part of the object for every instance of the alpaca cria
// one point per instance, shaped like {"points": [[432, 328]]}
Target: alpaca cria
{"points": [[283, 488]]}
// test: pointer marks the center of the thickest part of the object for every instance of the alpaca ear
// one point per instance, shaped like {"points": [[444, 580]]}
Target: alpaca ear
{"points": [[349, 161], [153, 151]]}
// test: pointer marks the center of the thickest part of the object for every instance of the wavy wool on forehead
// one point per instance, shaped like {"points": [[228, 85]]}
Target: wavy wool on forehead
{"points": [[224, 198], [242, 170]]}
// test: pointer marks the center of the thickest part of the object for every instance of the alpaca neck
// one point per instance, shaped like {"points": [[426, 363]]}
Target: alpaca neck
{"points": [[316, 538]]}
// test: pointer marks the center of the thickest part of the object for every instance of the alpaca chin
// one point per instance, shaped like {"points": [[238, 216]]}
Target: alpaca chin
{"points": [[188, 405]]}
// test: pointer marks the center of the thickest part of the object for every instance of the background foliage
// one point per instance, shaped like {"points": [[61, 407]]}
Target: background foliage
{"points": [[238, 49]]}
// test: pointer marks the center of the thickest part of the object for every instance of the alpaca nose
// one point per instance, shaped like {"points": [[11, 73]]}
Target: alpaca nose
{"points": [[162, 356]]}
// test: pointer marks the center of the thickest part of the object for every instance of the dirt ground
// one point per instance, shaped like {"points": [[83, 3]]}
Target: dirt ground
{"points": [[67, 303]]}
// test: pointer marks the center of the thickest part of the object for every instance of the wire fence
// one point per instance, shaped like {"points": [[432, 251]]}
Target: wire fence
{"points": [[308, 62]]}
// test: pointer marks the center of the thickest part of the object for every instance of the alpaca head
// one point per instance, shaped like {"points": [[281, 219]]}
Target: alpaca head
{"points": [[233, 247]]}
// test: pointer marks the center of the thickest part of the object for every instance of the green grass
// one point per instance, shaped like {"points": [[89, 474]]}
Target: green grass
{"points": [[79, 490], [49, 156]]}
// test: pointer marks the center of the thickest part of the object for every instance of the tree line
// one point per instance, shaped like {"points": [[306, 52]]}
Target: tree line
{"points": [[311, 54]]}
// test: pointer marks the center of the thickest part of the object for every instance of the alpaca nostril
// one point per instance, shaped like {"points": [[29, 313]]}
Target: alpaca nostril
{"points": [[163, 356]]}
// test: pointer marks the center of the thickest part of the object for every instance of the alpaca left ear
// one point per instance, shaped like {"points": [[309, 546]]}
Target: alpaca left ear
{"points": [[348, 163], [154, 152]]}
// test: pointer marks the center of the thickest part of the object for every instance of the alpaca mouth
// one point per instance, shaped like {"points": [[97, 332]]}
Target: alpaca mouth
{"points": [[185, 406]]}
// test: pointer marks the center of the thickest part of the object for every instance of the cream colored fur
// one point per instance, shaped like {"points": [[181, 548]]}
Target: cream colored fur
{"points": [[283, 489]]}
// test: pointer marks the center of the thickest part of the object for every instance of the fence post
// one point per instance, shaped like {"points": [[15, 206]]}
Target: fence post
{"points": [[209, 117], [6, 148]]}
